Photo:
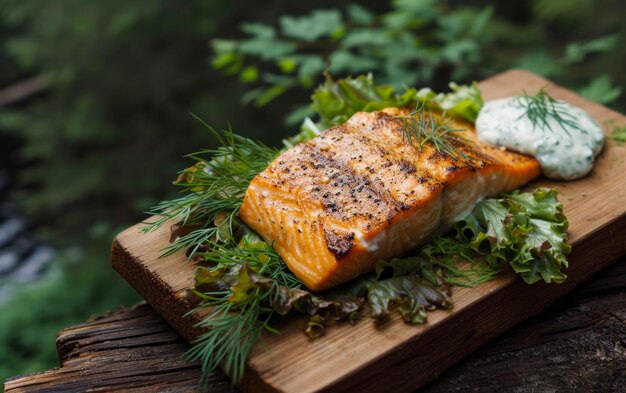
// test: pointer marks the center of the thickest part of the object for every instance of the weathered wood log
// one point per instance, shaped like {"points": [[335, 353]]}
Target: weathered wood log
{"points": [[577, 345], [128, 349]]}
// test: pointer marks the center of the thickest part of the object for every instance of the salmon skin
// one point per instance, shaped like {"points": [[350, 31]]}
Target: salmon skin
{"points": [[360, 192]]}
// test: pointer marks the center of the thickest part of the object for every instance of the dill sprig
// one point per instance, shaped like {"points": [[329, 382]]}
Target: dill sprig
{"points": [[542, 109], [230, 332], [422, 127], [213, 186], [206, 218], [237, 318]]}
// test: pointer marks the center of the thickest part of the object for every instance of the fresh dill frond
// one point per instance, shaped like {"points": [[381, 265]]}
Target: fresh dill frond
{"points": [[422, 127], [257, 254], [542, 108], [231, 330], [213, 186], [237, 318]]}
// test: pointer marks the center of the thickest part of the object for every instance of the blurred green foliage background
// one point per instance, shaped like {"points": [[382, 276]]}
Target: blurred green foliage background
{"points": [[109, 128]]}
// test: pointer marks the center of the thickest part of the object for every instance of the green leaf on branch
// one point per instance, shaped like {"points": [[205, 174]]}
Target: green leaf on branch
{"points": [[601, 89], [577, 51], [318, 24]]}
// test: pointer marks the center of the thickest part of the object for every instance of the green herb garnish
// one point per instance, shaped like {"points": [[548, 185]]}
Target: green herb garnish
{"points": [[237, 306], [422, 127], [542, 108], [616, 133], [214, 186], [243, 287]]}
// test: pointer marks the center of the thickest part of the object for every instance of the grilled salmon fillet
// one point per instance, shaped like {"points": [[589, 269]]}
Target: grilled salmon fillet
{"points": [[360, 192]]}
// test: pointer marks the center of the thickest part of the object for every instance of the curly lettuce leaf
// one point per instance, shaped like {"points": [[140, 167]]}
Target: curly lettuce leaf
{"points": [[423, 265], [540, 236], [526, 230], [336, 101], [412, 294], [463, 101], [308, 131]]}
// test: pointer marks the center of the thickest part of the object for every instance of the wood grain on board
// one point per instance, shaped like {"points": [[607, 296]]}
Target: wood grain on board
{"points": [[394, 355]]}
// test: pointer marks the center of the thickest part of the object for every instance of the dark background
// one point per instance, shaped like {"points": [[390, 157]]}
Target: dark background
{"points": [[95, 100]]}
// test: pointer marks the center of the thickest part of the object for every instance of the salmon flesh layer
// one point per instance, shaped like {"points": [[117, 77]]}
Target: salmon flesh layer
{"points": [[360, 192]]}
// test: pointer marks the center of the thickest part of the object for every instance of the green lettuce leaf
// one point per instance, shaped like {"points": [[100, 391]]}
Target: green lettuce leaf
{"points": [[308, 131], [526, 230], [422, 264], [412, 294], [540, 236], [336, 101], [463, 101]]}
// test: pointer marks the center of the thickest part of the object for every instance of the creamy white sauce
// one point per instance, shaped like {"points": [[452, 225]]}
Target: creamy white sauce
{"points": [[565, 150]]}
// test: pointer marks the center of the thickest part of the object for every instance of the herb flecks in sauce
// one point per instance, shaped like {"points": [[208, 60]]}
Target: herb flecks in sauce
{"points": [[564, 139]]}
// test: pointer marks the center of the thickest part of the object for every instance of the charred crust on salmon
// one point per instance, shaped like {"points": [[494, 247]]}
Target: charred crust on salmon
{"points": [[339, 243], [452, 168], [407, 167]]}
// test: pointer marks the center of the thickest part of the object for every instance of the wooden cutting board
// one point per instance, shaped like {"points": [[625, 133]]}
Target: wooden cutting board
{"points": [[394, 356]]}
